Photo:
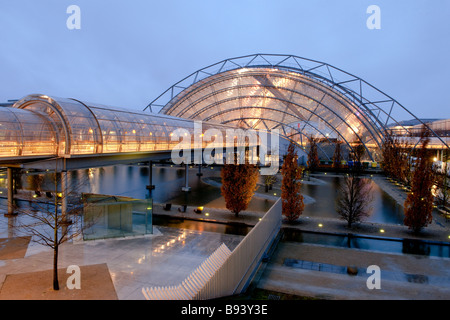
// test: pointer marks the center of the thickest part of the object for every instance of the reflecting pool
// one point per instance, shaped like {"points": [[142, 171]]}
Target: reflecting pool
{"points": [[131, 181]]}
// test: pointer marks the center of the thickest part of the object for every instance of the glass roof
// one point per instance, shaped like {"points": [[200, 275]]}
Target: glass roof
{"points": [[301, 97], [42, 125], [270, 98]]}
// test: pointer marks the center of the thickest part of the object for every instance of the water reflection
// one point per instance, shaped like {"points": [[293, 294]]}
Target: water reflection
{"points": [[406, 246], [236, 229], [131, 181], [384, 208]]}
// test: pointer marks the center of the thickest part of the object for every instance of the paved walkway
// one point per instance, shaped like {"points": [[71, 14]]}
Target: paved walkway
{"points": [[165, 258], [402, 276], [171, 254]]}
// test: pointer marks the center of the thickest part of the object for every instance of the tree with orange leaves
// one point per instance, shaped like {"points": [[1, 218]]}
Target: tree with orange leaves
{"points": [[238, 185], [419, 202], [292, 200], [313, 155]]}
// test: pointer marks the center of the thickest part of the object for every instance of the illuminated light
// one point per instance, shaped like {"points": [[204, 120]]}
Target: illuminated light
{"points": [[198, 210], [90, 130], [212, 168], [207, 214], [134, 131], [434, 159], [320, 225], [382, 230], [274, 194], [34, 195], [260, 219]]}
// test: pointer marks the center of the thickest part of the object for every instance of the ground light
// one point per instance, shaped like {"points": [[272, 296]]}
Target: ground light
{"points": [[382, 230], [198, 210], [320, 225]]}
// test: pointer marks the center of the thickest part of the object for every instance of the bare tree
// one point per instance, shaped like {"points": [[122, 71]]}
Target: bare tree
{"points": [[269, 182], [45, 222], [353, 202]]}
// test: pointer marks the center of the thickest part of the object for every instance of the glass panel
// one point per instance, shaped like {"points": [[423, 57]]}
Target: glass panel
{"points": [[112, 217]]}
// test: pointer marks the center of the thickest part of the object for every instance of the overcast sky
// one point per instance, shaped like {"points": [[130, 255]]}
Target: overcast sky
{"points": [[128, 52]]}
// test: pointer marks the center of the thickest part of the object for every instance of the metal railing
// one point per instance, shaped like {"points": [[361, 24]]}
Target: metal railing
{"points": [[225, 273]]}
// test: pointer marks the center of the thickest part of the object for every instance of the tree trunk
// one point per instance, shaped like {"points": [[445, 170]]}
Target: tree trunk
{"points": [[55, 269]]}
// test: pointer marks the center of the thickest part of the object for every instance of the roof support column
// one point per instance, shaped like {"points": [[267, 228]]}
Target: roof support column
{"points": [[150, 186], [199, 173], [186, 180], [10, 188], [64, 195]]}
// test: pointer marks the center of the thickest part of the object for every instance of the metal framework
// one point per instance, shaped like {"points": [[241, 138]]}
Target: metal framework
{"points": [[303, 98]]}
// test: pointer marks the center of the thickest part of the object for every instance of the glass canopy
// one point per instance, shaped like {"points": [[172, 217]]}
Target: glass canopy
{"points": [[41, 125]]}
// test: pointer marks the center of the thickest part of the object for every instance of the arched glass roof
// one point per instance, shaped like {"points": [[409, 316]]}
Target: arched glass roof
{"points": [[302, 98]]}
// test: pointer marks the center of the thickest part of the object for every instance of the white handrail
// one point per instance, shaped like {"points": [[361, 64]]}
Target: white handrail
{"points": [[223, 272]]}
